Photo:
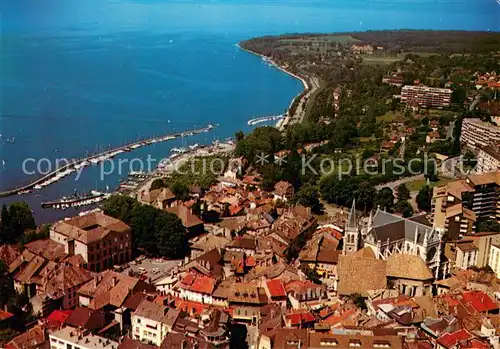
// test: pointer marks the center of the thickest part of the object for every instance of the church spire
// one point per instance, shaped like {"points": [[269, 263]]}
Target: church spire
{"points": [[351, 221]]}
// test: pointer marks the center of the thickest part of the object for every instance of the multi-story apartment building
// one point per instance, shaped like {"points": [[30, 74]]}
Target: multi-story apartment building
{"points": [[457, 205], [477, 133], [488, 159], [73, 338], [425, 96], [101, 240]]}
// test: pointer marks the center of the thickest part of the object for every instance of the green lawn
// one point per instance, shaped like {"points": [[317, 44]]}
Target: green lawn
{"points": [[416, 185], [389, 116], [380, 59]]}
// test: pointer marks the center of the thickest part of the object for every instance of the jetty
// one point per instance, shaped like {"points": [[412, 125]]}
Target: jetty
{"points": [[76, 201], [72, 166], [264, 119]]}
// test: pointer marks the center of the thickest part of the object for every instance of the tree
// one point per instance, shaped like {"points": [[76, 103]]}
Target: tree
{"points": [[424, 198], [16, 219], [403, 192], [6, 286], [239, 136], [488, 225], [365, 195], [154, 231], [170, 236], [430, 171], [358, 301], [385, 199], [180, 190], [405, 208], [311, 274], [157, 184], [120, 207], [143, 227], [308, 196]]}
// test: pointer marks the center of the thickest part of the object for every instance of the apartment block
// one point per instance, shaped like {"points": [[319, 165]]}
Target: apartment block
{"points": [[425, 96], [477, 133], [488, 159], [457, 205]]}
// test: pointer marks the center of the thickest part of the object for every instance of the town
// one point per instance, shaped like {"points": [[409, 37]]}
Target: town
{"points": [[261, 253]]}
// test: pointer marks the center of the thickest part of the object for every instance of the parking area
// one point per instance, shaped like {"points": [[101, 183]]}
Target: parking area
{"points": [[149, 268]]}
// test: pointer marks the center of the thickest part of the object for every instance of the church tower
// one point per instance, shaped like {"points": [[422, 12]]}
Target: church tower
{"points": [[351, 232]]}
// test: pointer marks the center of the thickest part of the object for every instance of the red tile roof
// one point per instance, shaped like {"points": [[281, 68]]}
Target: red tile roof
{"points": [[58, 317], [198, 283], [276, 288], [449, 340], [300, 317], [480, 301], [203, 284]]}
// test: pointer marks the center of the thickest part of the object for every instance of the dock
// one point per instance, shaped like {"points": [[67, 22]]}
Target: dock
{"points": [[65, 170]]}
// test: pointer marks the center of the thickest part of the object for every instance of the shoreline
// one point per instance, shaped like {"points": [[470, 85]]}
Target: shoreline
{"points": [[305, 84]]}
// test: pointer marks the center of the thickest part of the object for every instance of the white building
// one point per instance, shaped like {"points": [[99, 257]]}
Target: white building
{"points": [[477, 133], [494, 261], [488, 159], [152, 321], [72, 338]]}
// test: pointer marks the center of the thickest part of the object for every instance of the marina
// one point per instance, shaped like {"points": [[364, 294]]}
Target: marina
{"points": [[95, 159]]}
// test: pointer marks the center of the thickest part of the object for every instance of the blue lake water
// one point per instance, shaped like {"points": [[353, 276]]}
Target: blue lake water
{"points": [[82, 75]]}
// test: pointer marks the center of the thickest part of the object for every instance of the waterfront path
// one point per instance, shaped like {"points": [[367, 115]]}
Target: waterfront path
{"points": [[101, 157]]}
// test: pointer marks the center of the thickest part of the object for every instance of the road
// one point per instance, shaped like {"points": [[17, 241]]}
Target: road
{"points": [[299, 114], [394, 184]]}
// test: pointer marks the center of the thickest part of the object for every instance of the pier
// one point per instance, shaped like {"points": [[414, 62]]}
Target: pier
{"points": [[65, 170], [264, 119]]}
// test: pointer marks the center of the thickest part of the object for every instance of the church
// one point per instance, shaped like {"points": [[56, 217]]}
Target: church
{"points": [[385, 233]]}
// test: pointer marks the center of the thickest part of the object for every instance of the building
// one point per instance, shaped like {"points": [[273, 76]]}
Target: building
{"points": [[35, 337], [159, 198], [151, 321], [110, 290], [488, 159], [462, 253], [386, 234], [362, 49], [493, 261], [457, 205], [409, 274], [192, 224], [477, 133], [449, 213], [101, 240], [283, 191], [393, 80], [288, 338], [69, 337], [303, 294], [320, 253], [426, 97], [483, 242]]}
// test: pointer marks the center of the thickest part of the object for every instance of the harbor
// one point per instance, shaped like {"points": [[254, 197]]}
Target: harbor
{"points": [[63, 171]]}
